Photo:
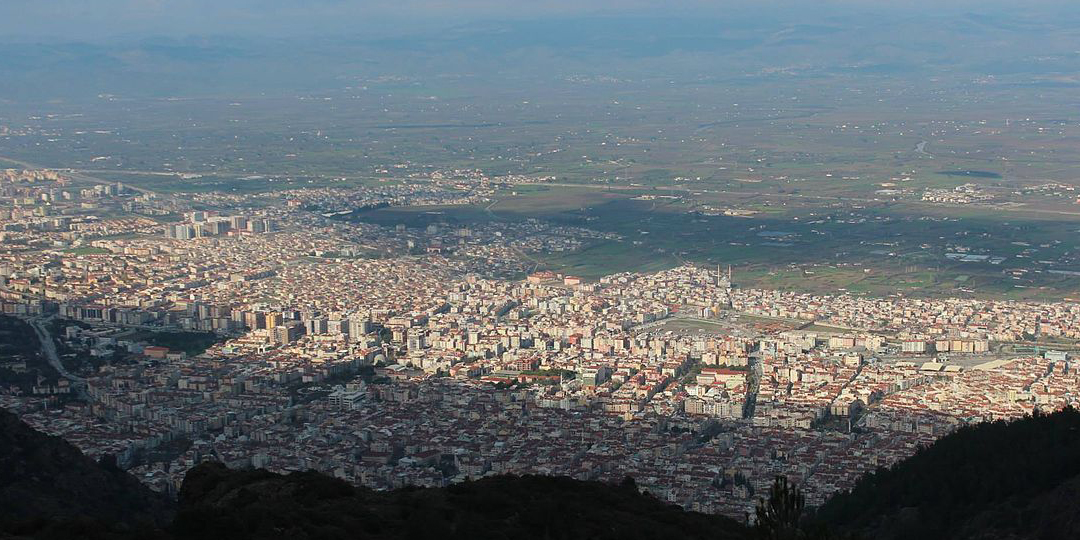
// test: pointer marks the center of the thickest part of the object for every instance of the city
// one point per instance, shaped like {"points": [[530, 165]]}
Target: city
{"points": [[393, 357], [604, 270]]}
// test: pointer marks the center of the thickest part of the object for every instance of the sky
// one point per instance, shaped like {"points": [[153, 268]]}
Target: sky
{"points": [[109, 18], [64, 20]]}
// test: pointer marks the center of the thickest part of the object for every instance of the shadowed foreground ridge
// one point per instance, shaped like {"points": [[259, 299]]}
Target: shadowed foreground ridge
{"points": [[257, 504], [1010, 480], [1000, 480], [48, 487]]}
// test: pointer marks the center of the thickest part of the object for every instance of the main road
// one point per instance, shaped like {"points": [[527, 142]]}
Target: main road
{"points": [[49, 347]]}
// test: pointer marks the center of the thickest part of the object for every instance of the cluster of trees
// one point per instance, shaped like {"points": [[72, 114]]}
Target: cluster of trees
{"points": [[216, 502], [988, 476], [18, 343], [783, 516], [1017, 478]]}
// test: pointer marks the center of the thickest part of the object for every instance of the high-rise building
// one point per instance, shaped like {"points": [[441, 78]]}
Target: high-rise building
{"points": [[358, 327], [416, 340], [317, 326], [336, 326], [180, 231], [256, 226], [255, 320], [288, 332]]}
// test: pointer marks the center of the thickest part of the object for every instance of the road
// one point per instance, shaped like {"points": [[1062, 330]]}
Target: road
{"points": [[753, 384], [49, 347], [84, 175]]}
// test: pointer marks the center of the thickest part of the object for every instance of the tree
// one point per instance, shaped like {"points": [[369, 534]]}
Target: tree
{"points": [[778, 518]]}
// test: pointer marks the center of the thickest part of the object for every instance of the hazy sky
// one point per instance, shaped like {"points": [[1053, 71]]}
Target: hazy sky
{"points": [[89, 19], [102, 18]]}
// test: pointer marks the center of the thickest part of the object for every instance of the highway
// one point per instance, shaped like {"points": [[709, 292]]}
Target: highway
{"points": [[49, 347]]}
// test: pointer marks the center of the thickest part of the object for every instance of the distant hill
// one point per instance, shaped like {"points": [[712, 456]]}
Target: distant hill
{"points": [[747, 45], [48, 488], [999, 480]]}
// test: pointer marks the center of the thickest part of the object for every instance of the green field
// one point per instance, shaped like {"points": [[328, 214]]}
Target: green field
{"points": [[695, 325], [192, 343], [878, 249], [87, 251], [608, 258]]}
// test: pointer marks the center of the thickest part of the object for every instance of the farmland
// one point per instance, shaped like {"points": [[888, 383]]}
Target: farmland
{"points": [[878, 183]]}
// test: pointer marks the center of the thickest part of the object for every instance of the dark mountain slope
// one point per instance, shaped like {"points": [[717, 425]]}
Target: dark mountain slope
{"points": [[1015, 479], [48, 489], [1012, 480], [45, 483], [257, 504]]}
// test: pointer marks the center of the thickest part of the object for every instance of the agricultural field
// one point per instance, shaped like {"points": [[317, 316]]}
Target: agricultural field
{"points": [[878, 249], [878, 182]]}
